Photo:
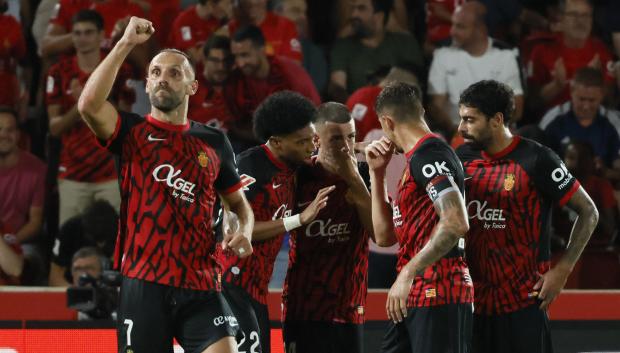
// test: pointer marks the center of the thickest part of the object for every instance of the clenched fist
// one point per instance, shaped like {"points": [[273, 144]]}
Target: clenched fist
{"points": [[138, 31]]}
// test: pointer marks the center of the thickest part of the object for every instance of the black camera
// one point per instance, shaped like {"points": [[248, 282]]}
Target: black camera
{"points": [[95, 297]]}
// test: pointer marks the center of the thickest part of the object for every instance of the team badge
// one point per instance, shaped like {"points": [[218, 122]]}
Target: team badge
{"points": [[360, 310], [431, 293], [203, 160], [509, 182]]}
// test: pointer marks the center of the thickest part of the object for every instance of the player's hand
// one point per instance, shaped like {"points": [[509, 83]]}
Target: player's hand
{"points": [[320, 201], [138, 31], [345, 162], [550, 285], [379, 153], [396, 305], [559, 72], [237, 243]]}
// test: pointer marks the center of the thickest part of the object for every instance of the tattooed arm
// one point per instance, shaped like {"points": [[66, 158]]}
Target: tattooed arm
{"points": [[551, 283], [453, 224]]}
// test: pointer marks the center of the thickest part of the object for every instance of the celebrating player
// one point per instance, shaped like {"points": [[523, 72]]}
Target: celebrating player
{"points": [[430, 303], [285, 122], [171, 170], [324, 294], [514, 182]]}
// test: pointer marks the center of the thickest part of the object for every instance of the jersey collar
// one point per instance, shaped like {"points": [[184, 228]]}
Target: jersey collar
{"points": [[505, 151], [278, 163], [419, 143], [167, 126]]}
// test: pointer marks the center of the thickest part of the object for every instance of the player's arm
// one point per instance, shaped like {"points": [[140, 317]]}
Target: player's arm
{"points": [[55, 41], [97, 112], [269, 229], [378, 155], [240, 239], [551, 283], [11, 262]]}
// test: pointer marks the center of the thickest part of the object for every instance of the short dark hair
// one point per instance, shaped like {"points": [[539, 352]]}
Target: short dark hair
{"points": [[283, 113], [384, 6], [401, 100], [333, 112], [5, 109], [589, 77], [216, 42], [91, 16], [490, 97], [90, 251], [251, 33], [184, 54]]}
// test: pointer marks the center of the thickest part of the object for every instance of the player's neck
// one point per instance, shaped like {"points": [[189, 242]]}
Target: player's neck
{"points": [[174, 117], [478, 48], [275, 154], [263, 69], [88, 61], [374, 40], [10, 159], [500, 142], [409, 136]]}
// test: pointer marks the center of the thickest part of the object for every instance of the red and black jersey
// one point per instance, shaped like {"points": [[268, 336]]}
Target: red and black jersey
{"points": [[81, 158], [269, 185], [280, 36], [510, 195], [189, 30], [328, 260], [208, 106], [432, 163], [244, 93], [12, 51], [169, 175]]}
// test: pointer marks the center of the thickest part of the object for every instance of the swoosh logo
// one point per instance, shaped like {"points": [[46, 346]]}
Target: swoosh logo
{"points": [[302, 204], [152, 139], [275, 186]]}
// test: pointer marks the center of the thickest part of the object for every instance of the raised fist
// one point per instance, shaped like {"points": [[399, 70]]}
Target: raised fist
{"points": [[138, 31]]}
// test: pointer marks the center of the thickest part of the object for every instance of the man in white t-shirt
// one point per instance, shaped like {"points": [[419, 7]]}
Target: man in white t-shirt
{"points": [[473, 56]]}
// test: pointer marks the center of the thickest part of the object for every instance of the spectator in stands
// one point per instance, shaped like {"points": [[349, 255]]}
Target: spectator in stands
{"points": [[583, 118], [87, 261], [96, 227], [208, 105], [314, 60], [22, 184], [369, 48], [579, 159], [473, 56], [86, 171], [256, 76], [280, 33], [193, 27], [552, 65], [12, 54], [439, 20]]}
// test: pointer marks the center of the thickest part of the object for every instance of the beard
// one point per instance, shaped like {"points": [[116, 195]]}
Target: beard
{"points": [[360, 31], [475, 144], [165, 103]]}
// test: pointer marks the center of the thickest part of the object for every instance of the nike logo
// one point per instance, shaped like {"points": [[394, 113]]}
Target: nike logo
{"points": [[152, 139], [275, 186], [302, 204], [467, 178]]}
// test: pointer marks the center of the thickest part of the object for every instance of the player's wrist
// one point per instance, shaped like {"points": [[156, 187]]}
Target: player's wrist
{"points": [[292, 222]]}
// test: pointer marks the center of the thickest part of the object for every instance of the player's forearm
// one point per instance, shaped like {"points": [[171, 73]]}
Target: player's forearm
{"points": [[101, 81], [11, 262], [53, 44], [381, 212], [245, 216], [29, 230], [61, 123], [580, 235], [268, 229]]}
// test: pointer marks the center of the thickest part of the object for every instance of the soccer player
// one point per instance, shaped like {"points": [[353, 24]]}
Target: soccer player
{"points": [[430, 303], [171, 172], [324, 294], [514, 182], [284, 121]]}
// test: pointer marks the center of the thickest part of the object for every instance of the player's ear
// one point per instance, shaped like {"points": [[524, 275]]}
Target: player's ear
{"points": [[497, 120], [192, 88]]}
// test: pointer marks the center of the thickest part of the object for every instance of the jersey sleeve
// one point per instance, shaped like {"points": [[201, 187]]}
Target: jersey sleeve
{"points": [[552, 178], [53, 90], [250, 176], [228, 180], [124, 124], [436, 169]]}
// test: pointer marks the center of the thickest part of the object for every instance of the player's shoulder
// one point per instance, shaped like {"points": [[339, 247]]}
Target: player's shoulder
{"points": [[214, 136], [433, 143], [256, 162]]}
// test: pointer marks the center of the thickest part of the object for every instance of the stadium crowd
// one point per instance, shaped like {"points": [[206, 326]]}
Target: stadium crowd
{"points": [[59, 188]]}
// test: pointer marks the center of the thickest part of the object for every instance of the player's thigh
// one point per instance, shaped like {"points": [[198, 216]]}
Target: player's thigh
{"points": [[442, 328], [241, 306], [224, 345], [530, 331], [144, 324], [202, 318], [396, 337], [347, 338], [264, 325], [305, 337]]}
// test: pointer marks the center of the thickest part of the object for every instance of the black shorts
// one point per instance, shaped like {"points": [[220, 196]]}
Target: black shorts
{"points": [[150, 315], [253, 319], [435, 329], [523, 331], [322, 337]]}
